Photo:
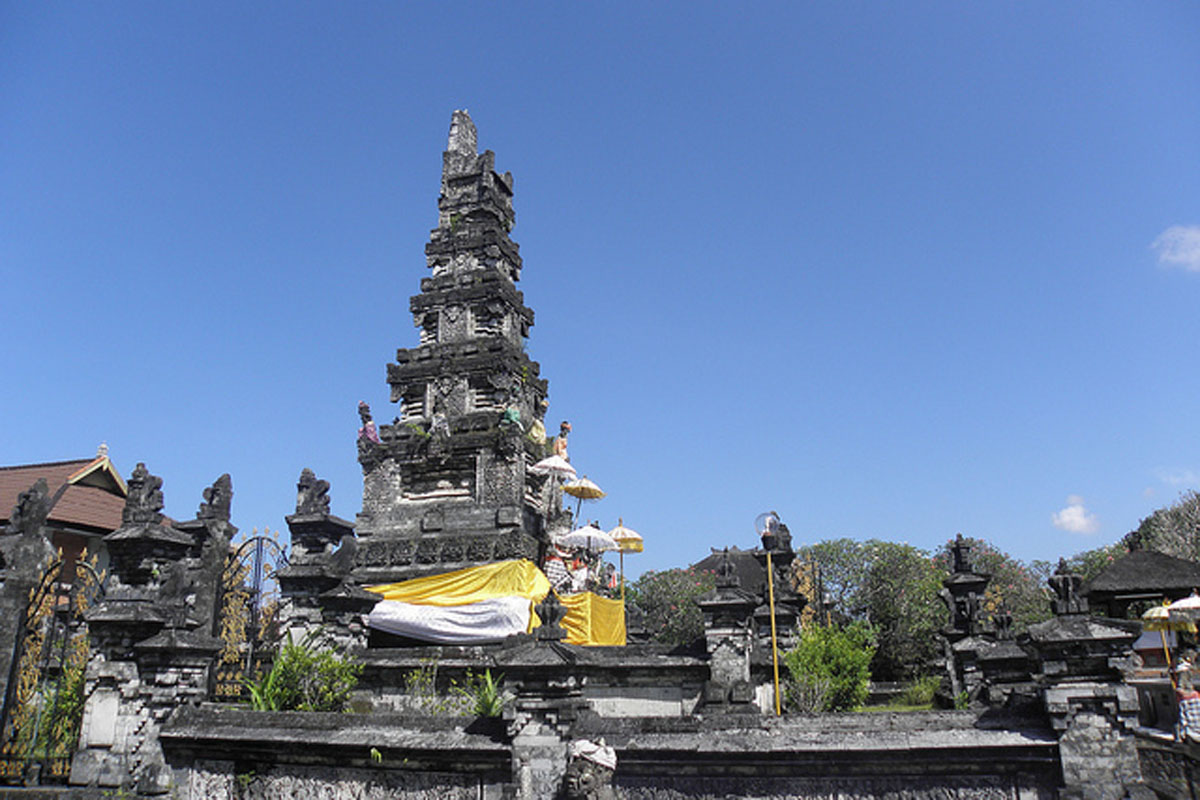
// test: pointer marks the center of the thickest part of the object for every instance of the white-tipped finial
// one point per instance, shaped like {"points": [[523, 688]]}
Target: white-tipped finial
{"points": [[463, 138], [102, 450]]}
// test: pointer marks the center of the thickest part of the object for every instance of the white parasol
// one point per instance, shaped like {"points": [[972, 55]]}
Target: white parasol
{"points": [[589, 538]]}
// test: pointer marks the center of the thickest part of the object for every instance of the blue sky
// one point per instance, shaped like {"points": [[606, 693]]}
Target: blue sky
{"points": [[892, 270]]}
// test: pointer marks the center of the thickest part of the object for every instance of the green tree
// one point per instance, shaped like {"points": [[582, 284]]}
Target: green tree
{"points": [[836, 658], [1174, 529], [667, 600], [1091, 563], [893, 587], [843, 573], [901, 603]]}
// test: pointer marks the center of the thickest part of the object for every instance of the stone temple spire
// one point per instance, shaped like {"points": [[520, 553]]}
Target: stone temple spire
{"points": [[446, 485]]}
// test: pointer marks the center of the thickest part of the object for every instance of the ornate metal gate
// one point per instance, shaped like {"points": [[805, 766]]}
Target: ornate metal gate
{"points": [[44, 702], [248, 612]]}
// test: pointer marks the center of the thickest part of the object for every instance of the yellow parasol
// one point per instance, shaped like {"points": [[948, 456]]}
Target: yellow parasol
{"points": [[1159, 619], [628, 541], [582, 489]]}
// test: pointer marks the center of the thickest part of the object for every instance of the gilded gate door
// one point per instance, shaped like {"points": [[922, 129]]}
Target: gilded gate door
{"points": [[43, 705]]}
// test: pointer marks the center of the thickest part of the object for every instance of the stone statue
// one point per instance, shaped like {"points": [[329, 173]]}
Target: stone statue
{"points": [[551, 612], [217, 500], [368, 431], [144, 502], [312, 495], [727, 576], [590, 771], [33, 507], [1002, 622]]}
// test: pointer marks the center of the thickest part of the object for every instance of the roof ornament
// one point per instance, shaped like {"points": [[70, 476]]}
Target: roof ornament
{"points": [[102, 450], [144, 503], [463, 136], [32, 508], [217, 499], [1067, 586], [312, 494]]}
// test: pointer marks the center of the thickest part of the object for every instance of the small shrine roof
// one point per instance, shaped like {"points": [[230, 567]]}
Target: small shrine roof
{"points": [[92, 491], [1146, 571], [750, 573]]}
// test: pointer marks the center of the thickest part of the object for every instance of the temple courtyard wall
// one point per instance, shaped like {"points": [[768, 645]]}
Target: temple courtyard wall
{"points": [[231, 752]]}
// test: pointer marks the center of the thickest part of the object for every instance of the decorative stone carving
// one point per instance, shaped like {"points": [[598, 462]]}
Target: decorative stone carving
{"points": [[32, 508], [1066, 586], [551, 612], [961, 554], [962, 593], [1002, 622], [217, 500], [589, 771], [312, 494], [144, 502]]}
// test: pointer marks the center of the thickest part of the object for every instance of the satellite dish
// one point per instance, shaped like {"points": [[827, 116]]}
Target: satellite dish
{"points": [[766, 524]]}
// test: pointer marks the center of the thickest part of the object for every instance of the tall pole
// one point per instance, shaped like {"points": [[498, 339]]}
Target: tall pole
{"points": [[622, 553], [774, 640]]}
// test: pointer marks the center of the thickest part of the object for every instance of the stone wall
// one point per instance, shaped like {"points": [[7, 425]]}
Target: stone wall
{"points": [[217, 752], [1171, 769]]}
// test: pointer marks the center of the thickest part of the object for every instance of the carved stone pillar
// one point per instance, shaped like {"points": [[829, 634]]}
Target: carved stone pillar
{"points": [[152, 642], [729, 640], [548, 701], [1078, 660], [315, 585]]}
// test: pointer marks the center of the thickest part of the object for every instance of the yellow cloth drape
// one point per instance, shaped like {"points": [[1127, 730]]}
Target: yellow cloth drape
{"points": [[593, 620], [590, 619], [470, 585]]}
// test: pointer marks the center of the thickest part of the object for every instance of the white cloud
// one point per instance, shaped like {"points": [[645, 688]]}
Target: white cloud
{"points": [[1179, 477], [1075, 518], [1179, 246]]}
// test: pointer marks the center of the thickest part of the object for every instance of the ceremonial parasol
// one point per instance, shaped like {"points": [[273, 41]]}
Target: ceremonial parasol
{"points": [[554, 465], [1159, 619], [589, 538], [1188, 608], [583, 489], [627, 541]]}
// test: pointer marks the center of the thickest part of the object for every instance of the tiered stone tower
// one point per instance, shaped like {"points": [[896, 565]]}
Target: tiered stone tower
{"points": [[446, 485]]}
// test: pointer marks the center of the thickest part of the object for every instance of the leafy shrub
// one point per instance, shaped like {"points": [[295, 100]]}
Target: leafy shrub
{"points": [[482, 693], [920, 692], [806, 693], [840, 656], [667, 601], [305, 677]]}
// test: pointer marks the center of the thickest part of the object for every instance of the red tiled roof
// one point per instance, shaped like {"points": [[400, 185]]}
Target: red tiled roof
{"points": [[86, 506]]}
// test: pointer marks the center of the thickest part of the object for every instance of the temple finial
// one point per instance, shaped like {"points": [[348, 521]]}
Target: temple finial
{"points": [[463, 138]]}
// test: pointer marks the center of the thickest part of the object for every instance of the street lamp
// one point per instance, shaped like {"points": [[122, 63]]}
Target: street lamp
{"points": [[767, 527]]}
